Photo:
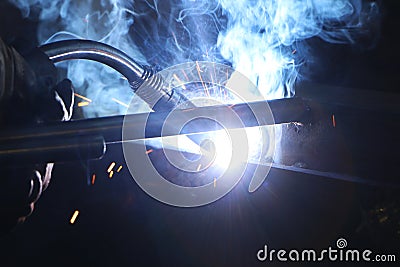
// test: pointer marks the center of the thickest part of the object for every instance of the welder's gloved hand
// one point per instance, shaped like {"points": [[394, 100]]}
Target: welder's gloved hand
{"points": [[57, 105], [22, 186], [29, 95]]}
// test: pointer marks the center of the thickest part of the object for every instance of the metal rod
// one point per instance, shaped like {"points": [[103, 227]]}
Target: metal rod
{"points": [[283, 111], [51, 149], [27, 143]]}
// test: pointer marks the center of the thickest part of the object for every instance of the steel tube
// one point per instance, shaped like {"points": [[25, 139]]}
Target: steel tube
{"points": [[283, 111], [51, 149], [110, 128]]}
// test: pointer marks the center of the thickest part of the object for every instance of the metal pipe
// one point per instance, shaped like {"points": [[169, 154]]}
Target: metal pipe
{"points": [[51, 149], [110, 128]]}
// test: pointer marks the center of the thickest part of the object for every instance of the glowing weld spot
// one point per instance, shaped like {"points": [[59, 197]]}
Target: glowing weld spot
{"points": [[74, 216], [93, 178]]}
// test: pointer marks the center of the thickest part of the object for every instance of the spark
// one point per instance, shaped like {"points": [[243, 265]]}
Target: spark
{"points": [[184, 74], [201, 79], [198, 69], [119, 168], [93, 178], [212, 75], [83, 97], [149, 151], [226, 83], [74, 216], [215, 182], [83, 104], [111, 174], [180, 81], [112, 165], [333, 121], [383, 219], [120, 102], [199, 167]]}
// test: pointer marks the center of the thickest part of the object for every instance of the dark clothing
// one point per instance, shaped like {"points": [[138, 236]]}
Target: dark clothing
{"points": [[28, 95]]}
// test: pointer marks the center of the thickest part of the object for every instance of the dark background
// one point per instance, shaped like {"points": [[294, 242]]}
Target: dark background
{"points": [[119, 225]]}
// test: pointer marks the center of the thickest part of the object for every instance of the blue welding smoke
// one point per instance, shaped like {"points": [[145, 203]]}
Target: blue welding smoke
{"points": [[260, 38], [107, 21], [257, 37]]}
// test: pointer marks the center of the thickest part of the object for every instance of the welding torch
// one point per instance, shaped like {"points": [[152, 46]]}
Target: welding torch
{"points": [[135, 73], [87, 138]]}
